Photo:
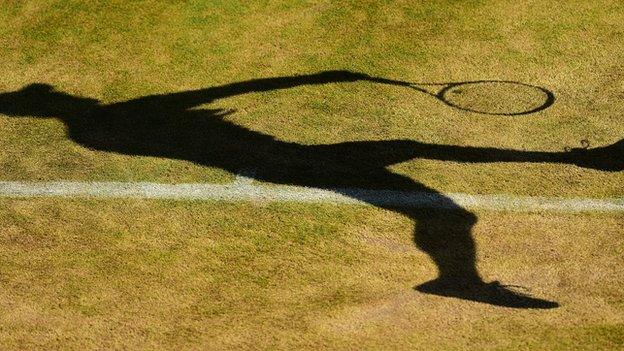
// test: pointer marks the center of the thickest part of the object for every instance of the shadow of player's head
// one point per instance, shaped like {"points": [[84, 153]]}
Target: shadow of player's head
{"points": [[42, 100]]}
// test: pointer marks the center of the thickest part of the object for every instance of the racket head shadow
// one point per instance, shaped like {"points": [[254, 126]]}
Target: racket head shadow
{"points": [[496, 97]]}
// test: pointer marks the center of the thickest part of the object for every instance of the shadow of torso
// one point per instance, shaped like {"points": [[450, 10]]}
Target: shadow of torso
{"points": [[148, 127]]}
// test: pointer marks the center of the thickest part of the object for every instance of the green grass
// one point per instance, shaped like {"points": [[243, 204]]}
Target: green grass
{"points": [[121, 50], [80, 274]]}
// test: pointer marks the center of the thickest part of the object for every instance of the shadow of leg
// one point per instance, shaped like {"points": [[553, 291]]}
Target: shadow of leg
{"points": [[444, 232], [445, 235]]}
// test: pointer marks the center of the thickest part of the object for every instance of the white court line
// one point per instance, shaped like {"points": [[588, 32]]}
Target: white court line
{"points": [[244, 190]]}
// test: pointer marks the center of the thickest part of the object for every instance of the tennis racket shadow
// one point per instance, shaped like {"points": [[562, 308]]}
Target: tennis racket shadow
{"points": [[489, 97]]}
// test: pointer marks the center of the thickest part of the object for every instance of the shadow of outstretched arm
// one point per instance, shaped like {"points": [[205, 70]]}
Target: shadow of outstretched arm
{"points": [[607, 158], [189, 99]]}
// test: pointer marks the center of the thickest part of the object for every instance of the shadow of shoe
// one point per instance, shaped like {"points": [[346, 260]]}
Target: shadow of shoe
{"points": [[491, 293]]}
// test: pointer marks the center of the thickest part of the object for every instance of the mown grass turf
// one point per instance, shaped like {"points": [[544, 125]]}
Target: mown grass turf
{"points": [[86, 274], [118, 50], [148, 274]]}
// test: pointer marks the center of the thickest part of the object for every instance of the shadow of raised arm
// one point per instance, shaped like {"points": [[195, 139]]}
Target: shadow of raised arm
{"points": [[193, 98], [607, 158]]}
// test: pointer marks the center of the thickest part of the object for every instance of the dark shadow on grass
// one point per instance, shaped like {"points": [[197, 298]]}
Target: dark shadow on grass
{"points": [[168, 126]]}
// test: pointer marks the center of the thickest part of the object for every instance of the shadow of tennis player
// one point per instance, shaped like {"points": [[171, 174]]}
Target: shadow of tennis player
{"points": [[167, 126]]}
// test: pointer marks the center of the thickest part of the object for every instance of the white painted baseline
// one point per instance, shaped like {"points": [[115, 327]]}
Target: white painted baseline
{"points": [[246, 191]]}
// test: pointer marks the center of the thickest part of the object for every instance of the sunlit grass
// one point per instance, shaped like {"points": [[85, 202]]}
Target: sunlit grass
{"points": [[149, 274], [122, 50], [83, 274]]}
